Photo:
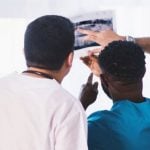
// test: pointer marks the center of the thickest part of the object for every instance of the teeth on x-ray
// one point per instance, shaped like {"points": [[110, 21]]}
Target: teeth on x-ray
{"points": [[96, 22]]}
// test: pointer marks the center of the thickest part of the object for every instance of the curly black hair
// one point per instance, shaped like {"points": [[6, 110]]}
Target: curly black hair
{"points": [[125, 61]]}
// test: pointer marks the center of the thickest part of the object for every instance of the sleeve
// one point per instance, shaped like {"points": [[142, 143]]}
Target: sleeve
{"points": [[97, 137], [71, 134], [101, 137]]}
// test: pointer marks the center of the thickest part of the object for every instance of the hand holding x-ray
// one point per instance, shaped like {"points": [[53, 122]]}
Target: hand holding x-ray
{"points": [[92, 23]]}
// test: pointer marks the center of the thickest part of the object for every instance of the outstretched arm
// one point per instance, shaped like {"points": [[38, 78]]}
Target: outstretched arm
{"points": [[105, 37], [144, 42]]}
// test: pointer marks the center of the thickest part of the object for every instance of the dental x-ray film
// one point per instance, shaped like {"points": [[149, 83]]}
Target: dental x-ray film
{"points": [[95, 21]]}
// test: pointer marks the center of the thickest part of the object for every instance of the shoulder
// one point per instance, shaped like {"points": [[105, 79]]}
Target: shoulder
{"points": [[147, 99], [65, 98], [69, 111], [99, 122], [99, 132], [67, 103], [97, 119], [103, 129], [102, 121], [100, 116]]}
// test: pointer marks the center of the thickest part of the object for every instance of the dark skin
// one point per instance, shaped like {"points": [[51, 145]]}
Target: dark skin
{"points": [[89, 92], [117, 90], [120, 90], [103, 38]]}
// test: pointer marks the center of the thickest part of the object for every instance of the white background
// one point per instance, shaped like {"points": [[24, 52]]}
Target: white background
{"points": [[132, 18]]}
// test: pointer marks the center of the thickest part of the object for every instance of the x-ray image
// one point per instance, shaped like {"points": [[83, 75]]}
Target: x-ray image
{"points": [[94, 21]]}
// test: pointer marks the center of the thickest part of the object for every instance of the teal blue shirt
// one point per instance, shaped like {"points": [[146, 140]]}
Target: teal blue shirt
{"points": [[125, 127]]}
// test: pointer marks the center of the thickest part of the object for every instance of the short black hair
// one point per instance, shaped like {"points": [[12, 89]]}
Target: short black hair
{"points": [[125, 61], [48, 41]]}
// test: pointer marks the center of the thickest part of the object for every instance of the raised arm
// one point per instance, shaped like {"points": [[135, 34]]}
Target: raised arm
{"points": [[107, 36], [144, 42], [89, 92], [101, 37]]}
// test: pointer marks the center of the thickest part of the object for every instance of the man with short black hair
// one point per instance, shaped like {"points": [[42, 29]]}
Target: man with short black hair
{"points": [[48, 42], [126, 126], [36, 113]]}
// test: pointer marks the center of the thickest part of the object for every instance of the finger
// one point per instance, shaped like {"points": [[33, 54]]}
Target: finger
{"points": [[86, 60], [95, 86], [93, 59], [85, 31], [93, 38], [95, 52], [90, 79], [101, 48]]}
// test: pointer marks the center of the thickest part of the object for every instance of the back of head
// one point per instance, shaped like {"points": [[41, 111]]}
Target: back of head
{"points": [[124, 61], [48, 41]]}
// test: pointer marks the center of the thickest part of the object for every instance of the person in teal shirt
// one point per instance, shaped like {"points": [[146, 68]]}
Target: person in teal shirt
{"points": [[127, 125]]}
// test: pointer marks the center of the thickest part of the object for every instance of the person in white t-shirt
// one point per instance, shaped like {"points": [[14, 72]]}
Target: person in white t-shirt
{"points": [[36, 113]]}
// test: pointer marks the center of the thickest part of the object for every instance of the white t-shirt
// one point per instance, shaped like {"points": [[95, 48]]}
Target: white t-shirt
{"points": [[38, 114]]}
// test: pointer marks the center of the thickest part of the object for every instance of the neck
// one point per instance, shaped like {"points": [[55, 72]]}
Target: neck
{"points": [[131, 92], [134, 97], [57, 75]]}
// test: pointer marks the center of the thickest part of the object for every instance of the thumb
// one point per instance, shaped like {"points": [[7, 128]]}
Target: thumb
{"points": [[95, 86]]}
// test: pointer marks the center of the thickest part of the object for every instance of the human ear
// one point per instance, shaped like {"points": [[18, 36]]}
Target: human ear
{"points": [[70, 59], [104, 80]]}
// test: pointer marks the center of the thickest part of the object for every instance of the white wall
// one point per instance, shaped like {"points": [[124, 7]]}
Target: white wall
{"points": [[34, 8], [132, 18]]}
